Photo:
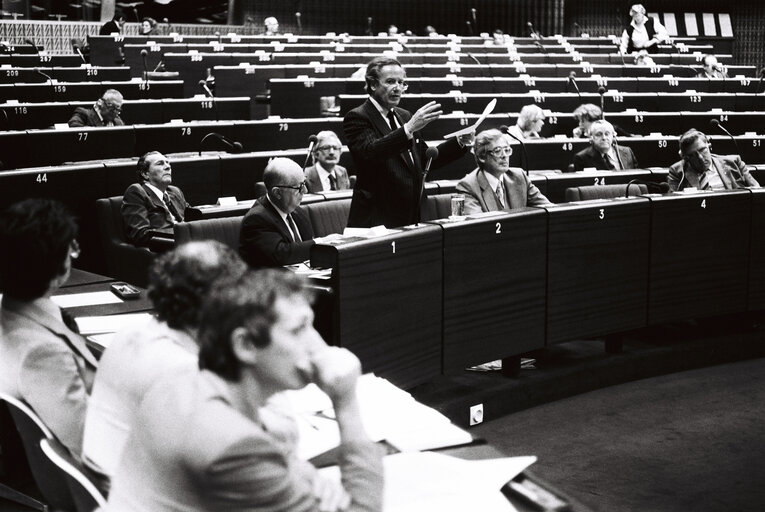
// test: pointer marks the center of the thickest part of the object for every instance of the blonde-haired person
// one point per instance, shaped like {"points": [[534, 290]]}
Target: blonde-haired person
{"points": [[529, 124]]}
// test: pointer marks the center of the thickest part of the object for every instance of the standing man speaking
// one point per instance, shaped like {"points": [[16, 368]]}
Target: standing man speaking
{"points": [[388, 150]]}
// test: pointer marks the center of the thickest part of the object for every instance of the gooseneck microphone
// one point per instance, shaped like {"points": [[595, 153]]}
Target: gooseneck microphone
{"points": [[144, 53], [299, 23], [137, 18], [231, 145], [33, 45], [474, 18], [311, 143], [714, 123], [504, 129], [662, 187], [430, 154], [168, 26], [369, 26], [203, 85], [602, 91], [469, 27], [218, 37], [572, 81], [532, 32]]}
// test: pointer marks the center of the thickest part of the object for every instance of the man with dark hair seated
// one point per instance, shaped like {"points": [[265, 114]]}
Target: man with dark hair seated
{"points": [[152, 204], [703, 170], [139, 356], [42, 361], [203, 441], [105, 112]]}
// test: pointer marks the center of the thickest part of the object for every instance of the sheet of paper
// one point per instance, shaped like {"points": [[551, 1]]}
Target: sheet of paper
{"points": [[85, 299], [102, 339], [433, 481], [110, 323], [474, 127]]}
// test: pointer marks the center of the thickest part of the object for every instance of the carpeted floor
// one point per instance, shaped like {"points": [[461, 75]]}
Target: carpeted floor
{"points": [[688, 441]]}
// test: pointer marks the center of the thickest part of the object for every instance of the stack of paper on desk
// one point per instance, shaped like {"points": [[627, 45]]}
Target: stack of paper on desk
{"points": [[433, 481], [109, 323], [388, 413]]}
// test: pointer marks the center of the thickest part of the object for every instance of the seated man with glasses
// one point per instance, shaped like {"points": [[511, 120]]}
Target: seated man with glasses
{"points": [[703, 170], [494, 186], [105, 112], [326, 173], [604, 153], [42, 360], [276, 231]]}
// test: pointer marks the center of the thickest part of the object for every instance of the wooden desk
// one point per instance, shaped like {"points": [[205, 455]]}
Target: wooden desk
{"points": [[140, 304], [493, 298], [387, 302], [558, 183], [699, 254], [82, 277], [597, 263]]}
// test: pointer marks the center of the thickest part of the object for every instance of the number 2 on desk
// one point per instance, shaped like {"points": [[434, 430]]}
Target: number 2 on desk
{"points": [[393, 246], [499, 228]]}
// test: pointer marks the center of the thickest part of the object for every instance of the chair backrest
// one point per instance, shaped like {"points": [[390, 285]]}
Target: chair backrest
{"points": [[438, 206], [109, 219], [86, 495], [329, 216], [225, 230], [604, 191], [52, 484]]}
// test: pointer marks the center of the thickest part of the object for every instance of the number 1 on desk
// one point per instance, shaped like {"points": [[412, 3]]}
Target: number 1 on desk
{"points": [[393, 246]]}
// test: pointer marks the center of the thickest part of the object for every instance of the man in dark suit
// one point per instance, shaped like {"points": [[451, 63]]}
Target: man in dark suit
{"points": [[153, 203], [702, 170], [326, 173], [604, 153], [388, 150], [113, 26], [105, 112], [494, 186], [276, 231]]}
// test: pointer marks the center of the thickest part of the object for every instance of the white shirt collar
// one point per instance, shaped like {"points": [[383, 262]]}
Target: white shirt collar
{"points": [[493, 180], [383, 111], [281, 212], [156, 191]]}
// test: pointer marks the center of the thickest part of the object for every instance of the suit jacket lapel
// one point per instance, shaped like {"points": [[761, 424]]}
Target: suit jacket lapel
{"points": [[488, 195], [723, 172], [157, 202], [412, 153], [313, 178], [277, 219], [384, 128]]}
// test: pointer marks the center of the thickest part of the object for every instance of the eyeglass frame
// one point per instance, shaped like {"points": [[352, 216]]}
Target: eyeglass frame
{"points": [[403, 84], [111, 106], [327, 148], [504, 151], [303, 187]]}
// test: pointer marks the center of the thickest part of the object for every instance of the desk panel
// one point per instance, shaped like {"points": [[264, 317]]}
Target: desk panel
{"points": [[756, 297], [181, 138], [558, 183], [597, 268], [699, 254], [387, 302], [494, 299], [80, 144]]}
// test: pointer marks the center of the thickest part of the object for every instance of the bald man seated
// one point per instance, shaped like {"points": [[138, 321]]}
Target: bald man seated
{"points": [[276, 231]]}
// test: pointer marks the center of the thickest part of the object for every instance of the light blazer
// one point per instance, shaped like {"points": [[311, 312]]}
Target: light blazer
{"points": [[45, 364], [314, 181], [590, 157], [190, 450], [143, 211], [265, 241], [519, 192], [731, 168], [89, 117], [389, 167]]}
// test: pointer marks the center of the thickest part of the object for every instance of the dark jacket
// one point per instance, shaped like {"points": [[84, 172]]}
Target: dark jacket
{"points": [[142, 211], [590, 157], [89, 117]]}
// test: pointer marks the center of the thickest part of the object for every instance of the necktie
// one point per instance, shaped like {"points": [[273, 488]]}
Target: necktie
{"points": [[294, 229], [332, 182], [703, 182], [392, 120], [171, 208], [608, 161], [501, 194]]}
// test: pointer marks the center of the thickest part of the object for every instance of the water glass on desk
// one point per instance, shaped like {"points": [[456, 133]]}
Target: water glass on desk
{"points": [[458, 206]]}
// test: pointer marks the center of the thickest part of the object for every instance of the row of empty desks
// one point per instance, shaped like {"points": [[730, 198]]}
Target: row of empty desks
{"points": [[11, 75], [90, 91], [443, 296]]}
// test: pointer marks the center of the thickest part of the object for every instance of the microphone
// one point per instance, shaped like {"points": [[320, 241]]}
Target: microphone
{"points": [[504, 129], [469, 27], [663, 187], [577, 29], [430, 154], [299, 24], [218, 36], [572, 80], [135, 13], [79, 52], [33, 45], [144, 53], [369, 26], [168, 27], [473, 16], [232, 145], [208, 92], [50, 80], [533, 33], [602, 91], [714, 123], [311, 142]]}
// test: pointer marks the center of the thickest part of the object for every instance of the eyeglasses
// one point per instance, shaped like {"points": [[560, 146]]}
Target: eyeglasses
{"points": [[329, 148], [74, 249], [697, 154], [112, 106], [303, 187], [498, 152], [601, 134], [391, 82]]}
